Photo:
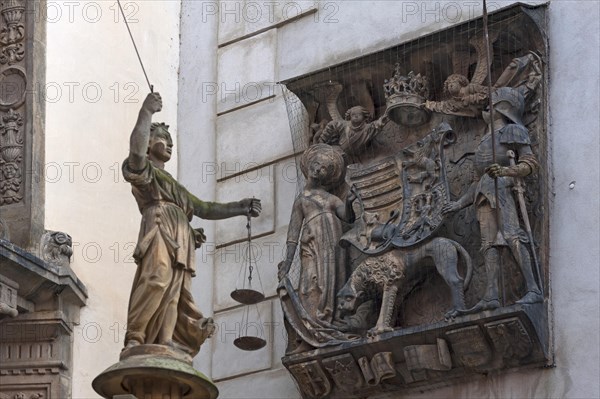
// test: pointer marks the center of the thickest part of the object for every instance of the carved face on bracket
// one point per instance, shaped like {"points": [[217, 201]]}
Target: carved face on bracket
{"points": [[347, 299]]}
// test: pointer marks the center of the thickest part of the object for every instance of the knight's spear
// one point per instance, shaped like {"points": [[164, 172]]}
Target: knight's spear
{"points": [[500, 241]]}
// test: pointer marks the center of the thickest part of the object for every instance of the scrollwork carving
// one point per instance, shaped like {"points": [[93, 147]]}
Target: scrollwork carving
{"points": [[13, 33], [11, 156]]}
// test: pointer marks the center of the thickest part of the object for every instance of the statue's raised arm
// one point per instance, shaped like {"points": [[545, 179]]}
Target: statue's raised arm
{"points": [[140, 137]]}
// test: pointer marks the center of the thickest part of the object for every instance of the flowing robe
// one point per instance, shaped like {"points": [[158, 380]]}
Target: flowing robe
{"points": [[165, 255]]}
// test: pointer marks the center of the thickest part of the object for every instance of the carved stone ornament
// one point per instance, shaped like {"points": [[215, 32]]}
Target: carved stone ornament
{"points": [[13, 33], [417, 247], [11, 157], [57, 248]]}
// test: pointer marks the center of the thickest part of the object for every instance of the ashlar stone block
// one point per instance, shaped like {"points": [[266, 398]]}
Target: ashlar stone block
{"points": [[246, 71], [259, 184], [271, 384], [244, 17], [254, 135]]}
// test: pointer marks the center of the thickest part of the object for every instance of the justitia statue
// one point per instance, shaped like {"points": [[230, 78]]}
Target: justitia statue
{"points": [[161, 307]]}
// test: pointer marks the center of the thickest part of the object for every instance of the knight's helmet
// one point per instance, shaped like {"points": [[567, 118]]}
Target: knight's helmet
{"points": [[512, 97]]}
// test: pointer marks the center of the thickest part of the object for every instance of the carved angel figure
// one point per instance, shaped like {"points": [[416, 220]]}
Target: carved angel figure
{"points": [[354, 133]]}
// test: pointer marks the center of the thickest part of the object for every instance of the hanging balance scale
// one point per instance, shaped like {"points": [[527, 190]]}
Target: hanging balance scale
{"points": [[248, 296]]}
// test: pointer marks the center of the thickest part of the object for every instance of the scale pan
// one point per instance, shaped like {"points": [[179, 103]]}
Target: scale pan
{"points": [[249, 343], [247, 297]]}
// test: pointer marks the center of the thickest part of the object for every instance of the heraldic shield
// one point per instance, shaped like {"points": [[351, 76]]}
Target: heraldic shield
{"points": [[401, 197]]}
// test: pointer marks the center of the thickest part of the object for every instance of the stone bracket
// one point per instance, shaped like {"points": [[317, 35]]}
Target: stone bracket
{"points": [[425, 356]]}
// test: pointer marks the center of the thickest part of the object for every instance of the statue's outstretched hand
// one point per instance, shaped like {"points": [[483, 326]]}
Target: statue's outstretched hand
{"points": [[153, 103], [252, 205]]}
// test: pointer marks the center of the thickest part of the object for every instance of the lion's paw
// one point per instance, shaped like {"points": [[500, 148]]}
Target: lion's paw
{"points": [[375, 331]]}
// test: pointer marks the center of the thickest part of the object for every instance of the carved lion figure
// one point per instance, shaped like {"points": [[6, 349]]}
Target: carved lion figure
{"points": [[400, 270]]}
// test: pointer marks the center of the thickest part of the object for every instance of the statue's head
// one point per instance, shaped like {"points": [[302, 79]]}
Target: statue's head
{"points": [[508, 102], [160, 146], [454, 83], [324, 164], [357, 115], [348, 299]]}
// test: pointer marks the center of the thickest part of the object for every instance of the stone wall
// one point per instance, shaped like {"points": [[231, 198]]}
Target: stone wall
{"points": [[233, 52]]}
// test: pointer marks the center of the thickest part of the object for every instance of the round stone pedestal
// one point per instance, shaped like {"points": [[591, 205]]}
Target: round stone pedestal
{"points": [[154, 371]]}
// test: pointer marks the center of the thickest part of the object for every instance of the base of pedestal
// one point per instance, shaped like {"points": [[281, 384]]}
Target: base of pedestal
{"points": [[152, 375]]}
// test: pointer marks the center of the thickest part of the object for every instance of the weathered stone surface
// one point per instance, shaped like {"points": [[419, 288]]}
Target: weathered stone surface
{"points": [[243, 134], [259, 183], [246, 71], [271, 384], [240, 18], [229, 324]]}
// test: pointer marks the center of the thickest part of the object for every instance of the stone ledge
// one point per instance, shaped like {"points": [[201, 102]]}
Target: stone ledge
{"points": [[29, 271], [414, 357]]}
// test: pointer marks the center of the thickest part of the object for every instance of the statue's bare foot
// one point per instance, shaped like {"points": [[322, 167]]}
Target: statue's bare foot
{"points": [[453, 313], [531, 297], [480, 306], [485, 304]]}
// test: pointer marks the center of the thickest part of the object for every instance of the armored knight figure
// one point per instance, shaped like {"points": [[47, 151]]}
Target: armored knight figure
{"points": [[497, 213]]}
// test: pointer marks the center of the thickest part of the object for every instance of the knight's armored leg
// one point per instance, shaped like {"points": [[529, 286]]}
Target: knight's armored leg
{"points": [[492, 264], [521, 255], [490, 298], [491, 255]]}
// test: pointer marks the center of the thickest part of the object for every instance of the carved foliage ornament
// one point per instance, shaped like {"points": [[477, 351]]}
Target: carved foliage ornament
{"points": [[13, 33], [11, 156]]}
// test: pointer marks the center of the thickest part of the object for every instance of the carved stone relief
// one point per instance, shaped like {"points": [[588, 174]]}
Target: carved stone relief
{"points": [[13, 82], [22, 38], [13, 33], [439, 267], [11, 157]]}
